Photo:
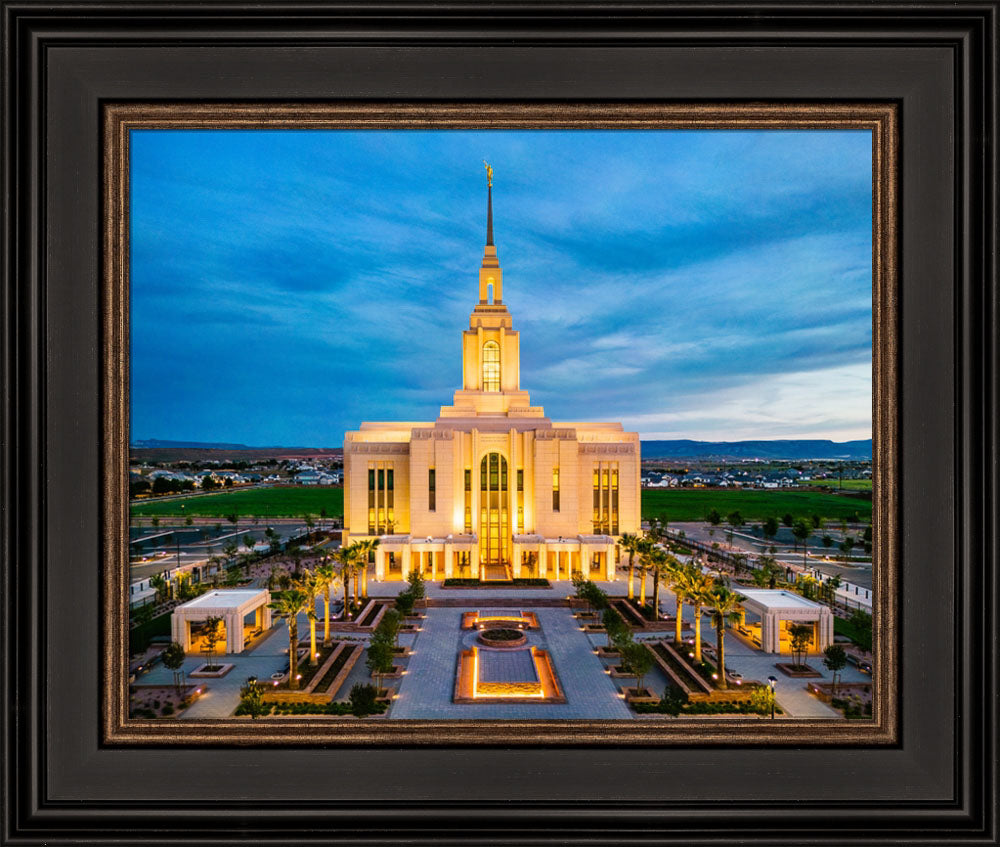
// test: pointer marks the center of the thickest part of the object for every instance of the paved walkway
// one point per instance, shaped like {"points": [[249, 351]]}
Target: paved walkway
{"points": [[427, 688]]}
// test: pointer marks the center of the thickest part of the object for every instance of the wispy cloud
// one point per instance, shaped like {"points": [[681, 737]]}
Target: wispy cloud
{"points": [[288, 285]]}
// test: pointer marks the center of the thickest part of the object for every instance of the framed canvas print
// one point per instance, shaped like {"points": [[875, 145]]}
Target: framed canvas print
{"points": [[501, 568], [536, 425]]}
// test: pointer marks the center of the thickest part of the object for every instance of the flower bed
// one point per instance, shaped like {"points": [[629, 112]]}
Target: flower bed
{"points": [[520, 582], [503, 637]]}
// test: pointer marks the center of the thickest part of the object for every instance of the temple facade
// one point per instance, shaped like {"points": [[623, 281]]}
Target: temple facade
{"points": [[493, 489]]}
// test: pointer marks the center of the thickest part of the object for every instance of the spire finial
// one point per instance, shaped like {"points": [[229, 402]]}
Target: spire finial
{"points": [[489, 204]]}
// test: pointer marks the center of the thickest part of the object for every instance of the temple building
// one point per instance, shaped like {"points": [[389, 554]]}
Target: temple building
{"points": [[493, 489]]}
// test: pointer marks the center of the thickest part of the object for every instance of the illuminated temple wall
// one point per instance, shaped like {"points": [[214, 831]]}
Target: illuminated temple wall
{"points": [[406, 482]]}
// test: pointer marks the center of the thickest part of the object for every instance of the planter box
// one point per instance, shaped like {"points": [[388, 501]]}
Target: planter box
{"points": [[641, 695], [200, 672], [792, 671], [395, 673], [608, 653]]}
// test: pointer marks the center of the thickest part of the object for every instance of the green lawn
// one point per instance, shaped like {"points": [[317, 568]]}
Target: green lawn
{"points": [[847, 484], [674, 505], [695, 504], [263, 502]]}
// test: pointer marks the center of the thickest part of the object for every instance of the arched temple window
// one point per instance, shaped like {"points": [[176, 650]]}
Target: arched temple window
{"points": [[491, 366]]}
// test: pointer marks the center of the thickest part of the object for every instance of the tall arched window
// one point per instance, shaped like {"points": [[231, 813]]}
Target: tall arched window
{"points": [[491, 366]]}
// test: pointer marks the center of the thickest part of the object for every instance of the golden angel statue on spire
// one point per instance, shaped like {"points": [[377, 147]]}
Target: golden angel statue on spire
{"points": [[489, 174]]}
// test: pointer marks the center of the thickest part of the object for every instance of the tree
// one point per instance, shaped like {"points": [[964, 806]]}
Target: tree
{"points": [[724, 610], [817, 522], [289, 603], [252, 699], [345, 558], [847, 545], [835, 661], [735, 521], [661, 565], [362, 699], [234, 518], [861, 622], [630, 543], [326, 576], [787, 519], [700, 595], [614, 626], [173, 658], [380, 656], [309, 585], [365, 550], [802, 530], [211, 635], [643, 550], [208, 484], [827, 540], [769, 528], [159, 585], [801, 635], [637, 660], [417, 587]]}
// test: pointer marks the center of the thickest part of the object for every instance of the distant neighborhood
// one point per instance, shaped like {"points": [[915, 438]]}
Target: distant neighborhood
{"points": [[153, 479]]}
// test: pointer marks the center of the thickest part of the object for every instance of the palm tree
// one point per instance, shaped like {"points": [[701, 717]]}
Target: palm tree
{"points": [[366, 546], [630, 543], [724, 610], [326, 576], [308, 584], [345, 557], [660, 566], [644, 548], [699, 587], [290, 602], [674, 579]]}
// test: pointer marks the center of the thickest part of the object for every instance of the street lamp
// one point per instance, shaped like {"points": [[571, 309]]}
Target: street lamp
{"points": [[772, 681]]}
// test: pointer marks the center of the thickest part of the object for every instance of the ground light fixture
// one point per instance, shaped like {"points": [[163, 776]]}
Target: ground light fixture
{"points": [[772, 681]]}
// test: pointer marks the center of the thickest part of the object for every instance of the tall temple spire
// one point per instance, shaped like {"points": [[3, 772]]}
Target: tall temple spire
{"points": [[490, 275], [489, 204]]}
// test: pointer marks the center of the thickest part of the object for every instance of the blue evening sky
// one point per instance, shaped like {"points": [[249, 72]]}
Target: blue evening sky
{"points": [[714, 285]]}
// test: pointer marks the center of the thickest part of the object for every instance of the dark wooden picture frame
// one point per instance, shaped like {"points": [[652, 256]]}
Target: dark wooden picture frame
{"points": [[119, 120], [63, 781]]}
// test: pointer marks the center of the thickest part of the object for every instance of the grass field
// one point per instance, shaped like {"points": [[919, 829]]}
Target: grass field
{"points": [[674, 505], [847, 484], [264, 502], [695, 504]]}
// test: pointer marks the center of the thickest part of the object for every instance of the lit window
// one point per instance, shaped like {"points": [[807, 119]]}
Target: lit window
{"points": [[555, 489], [491, 366]]}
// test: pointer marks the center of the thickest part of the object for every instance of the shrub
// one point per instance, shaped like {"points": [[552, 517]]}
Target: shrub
{"points": [[404, 602], [362, 699], [167, 709], [673, 700]]}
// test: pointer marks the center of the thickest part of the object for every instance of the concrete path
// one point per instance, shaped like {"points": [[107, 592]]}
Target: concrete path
{"points": [[427, 688]]}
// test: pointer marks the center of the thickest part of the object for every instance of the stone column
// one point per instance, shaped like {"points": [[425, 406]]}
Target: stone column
{"points": [[609, 562], [404, 562], [516, 564], [379, 564], [585, 561], [234, 632]]}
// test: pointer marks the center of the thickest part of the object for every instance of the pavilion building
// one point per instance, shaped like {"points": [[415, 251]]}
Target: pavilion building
{"points": [[493, 489]]}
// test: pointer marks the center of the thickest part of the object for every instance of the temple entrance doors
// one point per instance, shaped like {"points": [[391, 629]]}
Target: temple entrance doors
{"points": [[494, 520]]}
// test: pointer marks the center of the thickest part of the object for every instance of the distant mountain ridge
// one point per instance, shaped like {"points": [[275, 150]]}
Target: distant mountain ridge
{"points": [[775, 449], [791, 450], [160, 444]]}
